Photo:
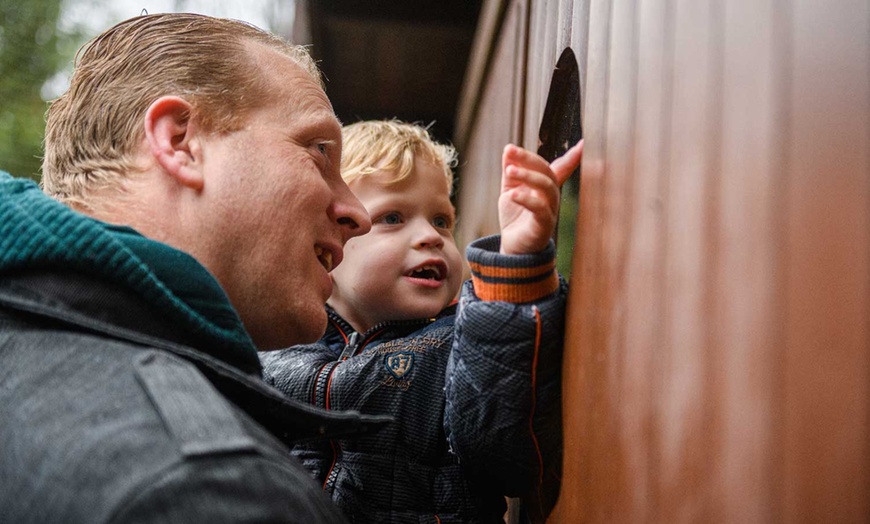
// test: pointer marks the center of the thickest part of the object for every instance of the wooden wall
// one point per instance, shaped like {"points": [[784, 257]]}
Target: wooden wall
{"points": [[717, 364]]}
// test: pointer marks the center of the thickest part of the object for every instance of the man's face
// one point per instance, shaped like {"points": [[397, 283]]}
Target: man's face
{"points": [[408, 266], [279, 212]]}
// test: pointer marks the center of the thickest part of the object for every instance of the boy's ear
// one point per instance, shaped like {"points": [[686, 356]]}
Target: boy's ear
{"points": [[171, 137]]}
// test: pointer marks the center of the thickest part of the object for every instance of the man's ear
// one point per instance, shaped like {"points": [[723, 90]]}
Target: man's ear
{"points": [[171, 138]]}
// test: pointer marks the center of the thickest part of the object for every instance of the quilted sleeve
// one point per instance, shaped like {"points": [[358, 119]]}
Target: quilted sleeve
{"points": [[295, 370], [503, 383]]}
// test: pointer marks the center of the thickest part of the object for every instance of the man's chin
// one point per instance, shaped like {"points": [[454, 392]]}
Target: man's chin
{"points": [[305, 329], [310, 328]]}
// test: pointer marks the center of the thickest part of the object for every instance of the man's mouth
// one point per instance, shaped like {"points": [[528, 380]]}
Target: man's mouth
{"points": [[324, 257], [429, 272]]}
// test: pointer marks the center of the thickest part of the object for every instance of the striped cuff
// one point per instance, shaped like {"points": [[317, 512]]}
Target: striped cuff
{"points": [[511, 278]]}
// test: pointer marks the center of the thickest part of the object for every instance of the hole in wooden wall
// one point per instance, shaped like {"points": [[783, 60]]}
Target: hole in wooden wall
{"points": [[561, 128]]}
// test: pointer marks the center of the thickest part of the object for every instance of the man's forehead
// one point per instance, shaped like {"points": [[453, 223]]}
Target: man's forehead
{"points": [[307, 102], [305, 109], [293, 88]]}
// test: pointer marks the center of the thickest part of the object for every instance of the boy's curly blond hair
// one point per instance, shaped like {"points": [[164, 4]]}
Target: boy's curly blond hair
{"points": [[391, 146]]}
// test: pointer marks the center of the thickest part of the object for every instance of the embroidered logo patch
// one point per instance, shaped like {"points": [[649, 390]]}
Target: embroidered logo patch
{"points": [[399, 363]]}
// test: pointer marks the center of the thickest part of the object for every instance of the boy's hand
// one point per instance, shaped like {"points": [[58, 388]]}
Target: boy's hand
{"points": [[529, 201]]}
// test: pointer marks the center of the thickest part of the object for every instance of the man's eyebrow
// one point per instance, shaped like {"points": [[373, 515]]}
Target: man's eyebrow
{"points": [[321, 122], [321, 132]]}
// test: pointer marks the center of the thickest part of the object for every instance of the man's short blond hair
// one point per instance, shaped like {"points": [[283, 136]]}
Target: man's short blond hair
{"points": [[93, 129], [391, 146]]}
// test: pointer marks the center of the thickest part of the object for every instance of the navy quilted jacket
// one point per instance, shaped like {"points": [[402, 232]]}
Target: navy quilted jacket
{"points": [[475, 395]]}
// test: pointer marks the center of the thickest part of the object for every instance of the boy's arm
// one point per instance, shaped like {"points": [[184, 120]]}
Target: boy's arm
{"points": [[503, 413]]}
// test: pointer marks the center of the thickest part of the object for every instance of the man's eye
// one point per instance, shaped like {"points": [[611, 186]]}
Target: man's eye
{"points": [[321, 147]]}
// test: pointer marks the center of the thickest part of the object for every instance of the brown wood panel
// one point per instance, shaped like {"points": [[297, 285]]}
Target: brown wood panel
{"points": [[585, 397], [688, 422], [740, 395], [579, 38], [644, 288], [497, 123], [744, 350], [616, 503], [486, 37], [717, 364], [825, 265], [543, 51]]}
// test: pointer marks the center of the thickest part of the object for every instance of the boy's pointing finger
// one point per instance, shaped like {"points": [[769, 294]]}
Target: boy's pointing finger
{"points": [[515, 155], [566, 164]]}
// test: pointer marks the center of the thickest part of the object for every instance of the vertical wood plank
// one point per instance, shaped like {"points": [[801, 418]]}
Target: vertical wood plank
{"points": [[497, 124], [688, 423], [744, 321], [825, 254], [644, 287], [585, 394], [579, 41], [544, 39], [617, 503]]}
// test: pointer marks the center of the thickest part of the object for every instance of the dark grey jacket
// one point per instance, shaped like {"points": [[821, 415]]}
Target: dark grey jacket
{"points": [[129, 388], [106, 415]]}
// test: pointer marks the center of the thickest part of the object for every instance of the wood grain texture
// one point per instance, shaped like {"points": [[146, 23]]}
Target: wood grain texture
{"points": [[497, 123], [826, 213], [717, 357]]}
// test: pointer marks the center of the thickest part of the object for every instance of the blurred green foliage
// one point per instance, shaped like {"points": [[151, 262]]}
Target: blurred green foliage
{"points": [[566, 232], [32, 50]]}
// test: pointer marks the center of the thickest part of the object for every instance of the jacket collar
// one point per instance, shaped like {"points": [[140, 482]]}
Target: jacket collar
{"points": [[88, 304], [339, 332], [39, 232]]}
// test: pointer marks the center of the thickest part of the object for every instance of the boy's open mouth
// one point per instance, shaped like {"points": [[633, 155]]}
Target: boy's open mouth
{"points": [[429, 272]]}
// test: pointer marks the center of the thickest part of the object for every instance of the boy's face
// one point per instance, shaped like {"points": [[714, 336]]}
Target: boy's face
{"points": [[408, 265]]}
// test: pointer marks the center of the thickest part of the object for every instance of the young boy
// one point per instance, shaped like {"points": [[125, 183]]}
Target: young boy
{"points": [[475, 395]]}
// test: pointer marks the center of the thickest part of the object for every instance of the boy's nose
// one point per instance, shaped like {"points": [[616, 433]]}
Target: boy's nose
{"points": [[425, 235]]}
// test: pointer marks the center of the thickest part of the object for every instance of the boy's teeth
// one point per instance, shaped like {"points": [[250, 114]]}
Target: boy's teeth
{"points": [[421, 272]]}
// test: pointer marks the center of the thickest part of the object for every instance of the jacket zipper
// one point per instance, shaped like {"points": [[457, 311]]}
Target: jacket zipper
{"points": [[352, 348], [349, 350]]}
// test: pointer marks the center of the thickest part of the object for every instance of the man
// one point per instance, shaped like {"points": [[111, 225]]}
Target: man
{"points": [[130, 387]]}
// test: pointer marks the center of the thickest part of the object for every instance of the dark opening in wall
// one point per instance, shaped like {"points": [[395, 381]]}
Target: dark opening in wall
{"points": [[561, 128]]}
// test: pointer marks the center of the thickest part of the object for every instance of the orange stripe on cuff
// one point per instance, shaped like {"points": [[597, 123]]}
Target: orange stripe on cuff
{"points": [[511, 272], [514, 292]]}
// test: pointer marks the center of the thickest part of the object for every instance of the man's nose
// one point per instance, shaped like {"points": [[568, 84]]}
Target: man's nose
{"points": [[351, 215]]}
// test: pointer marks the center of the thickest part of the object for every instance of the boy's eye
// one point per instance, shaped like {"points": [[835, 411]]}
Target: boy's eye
{"points": [[441, 222], [391, 218]]}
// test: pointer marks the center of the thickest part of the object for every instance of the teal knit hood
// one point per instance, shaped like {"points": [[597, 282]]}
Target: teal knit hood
{"points": [[40, 233]]}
